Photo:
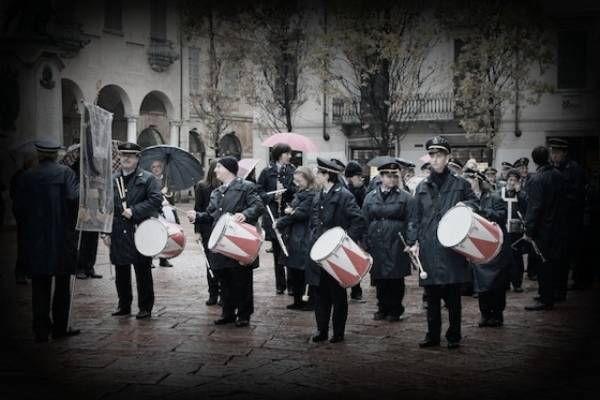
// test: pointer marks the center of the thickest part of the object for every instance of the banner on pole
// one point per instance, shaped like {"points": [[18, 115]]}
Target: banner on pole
{"points": [[95, 165]]}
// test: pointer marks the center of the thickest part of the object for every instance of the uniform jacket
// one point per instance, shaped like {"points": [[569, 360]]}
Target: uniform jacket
{"points": [[334, 208], [144, 198], [203, 191], [443, 265], [238, 197], [575, 192], [267, 182], [385, 217], [46, 204], [297, 227]]}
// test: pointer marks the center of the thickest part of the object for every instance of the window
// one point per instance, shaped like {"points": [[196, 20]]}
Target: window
{"points": [[113, 15], [572, 59], [158, 20], [194, 70]]}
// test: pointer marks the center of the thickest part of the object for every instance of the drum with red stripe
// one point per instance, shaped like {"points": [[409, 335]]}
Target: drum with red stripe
{"points": [[237, 240], [158, 237], [469, 234], [341, 257]]}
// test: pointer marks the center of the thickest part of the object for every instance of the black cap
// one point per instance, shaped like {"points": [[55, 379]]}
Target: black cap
{"points": [[523, 161], [425, 166], [47, 145], [230, 163], [471, 173], [513, 172], [437, 143], [393, 167], [490, 170], [352, 169], [338, 162], [129, 148], [507, 164], [404, 163], [557, 143], [329, 166], [455, 162]]}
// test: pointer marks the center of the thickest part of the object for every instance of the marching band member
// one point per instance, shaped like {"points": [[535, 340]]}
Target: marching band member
{"points": [[356, 186], [505, 166], [490, 278], [238, 197], [296, 222], [387, 211], [446, 269], [545, 223], [522, 165], [333, 206], [203, 191], [491, 174], [455, 166], [279, 175], [513, 191], [137, 197]]}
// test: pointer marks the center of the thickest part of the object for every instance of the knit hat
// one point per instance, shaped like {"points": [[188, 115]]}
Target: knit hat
{"points": [[352, 169], [230, 163]]}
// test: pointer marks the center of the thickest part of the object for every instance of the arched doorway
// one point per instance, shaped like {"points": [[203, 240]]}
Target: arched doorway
{"points": [[230, 145], [155, 111], [71, 110], [114, 99], [150, 136], [196, 145]]}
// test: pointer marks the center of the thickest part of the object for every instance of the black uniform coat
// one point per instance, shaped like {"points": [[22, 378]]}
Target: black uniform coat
{"points": [[546, 220], [491, 275], [238, 197], [267, 182], [385, 217], [46, 205], [144, 198], [443, 265], [359, 193], [334, 208], [202, 200], [575, 193], [297, 225]]}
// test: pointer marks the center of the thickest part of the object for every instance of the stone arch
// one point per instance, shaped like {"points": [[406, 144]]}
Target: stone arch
{"points": [[114, 99], [196, 145], [72, 109], [230, 145], [156, 110]]}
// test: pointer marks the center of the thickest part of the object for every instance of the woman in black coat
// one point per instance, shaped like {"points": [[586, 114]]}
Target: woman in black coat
{"points": [[388, 211], [203, 191], [296, 222]]}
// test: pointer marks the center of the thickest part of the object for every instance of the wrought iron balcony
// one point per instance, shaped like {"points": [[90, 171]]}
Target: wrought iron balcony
{"points": [[161, 54]]}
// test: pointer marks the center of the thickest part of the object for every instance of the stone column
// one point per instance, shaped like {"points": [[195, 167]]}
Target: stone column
{"points": [[174, 132], [132, 128]]}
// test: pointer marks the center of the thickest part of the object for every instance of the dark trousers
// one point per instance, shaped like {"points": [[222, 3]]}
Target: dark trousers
{"points": [[583, 271], [279, 264], [516, 266], [298, 285], [533, 263], [88, 249], [41, 294], [451, 296], [145, 286], [236, 291], [492, 303], [356, 291], [213, 282], [546, 282], [390, 293], [330, 294]]}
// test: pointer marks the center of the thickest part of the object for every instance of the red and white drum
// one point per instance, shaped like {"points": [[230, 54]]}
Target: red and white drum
{"points": [[156, 237], [237, 240], [341, 257], [469, 234]]}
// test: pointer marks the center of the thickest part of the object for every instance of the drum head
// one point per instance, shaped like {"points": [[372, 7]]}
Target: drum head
{"points": [[454, 226], [151, 237], [217, 231], [327, 243]]}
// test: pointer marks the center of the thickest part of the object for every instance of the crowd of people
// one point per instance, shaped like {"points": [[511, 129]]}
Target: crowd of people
{"points": [[394, 217]]}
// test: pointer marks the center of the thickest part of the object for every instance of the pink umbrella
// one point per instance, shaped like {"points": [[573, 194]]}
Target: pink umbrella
{"points": [[426, 158], [294, 140], [245, 166]]}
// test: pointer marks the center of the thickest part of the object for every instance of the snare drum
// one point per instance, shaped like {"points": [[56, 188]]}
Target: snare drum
{"points": [[469, 234], [341, 257], [158, 237], [237, 240]]}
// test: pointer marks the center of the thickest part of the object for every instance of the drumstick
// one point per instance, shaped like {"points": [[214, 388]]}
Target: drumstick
{"points": [[305, 295], [277, 191], [121, 189], [277, 234], [415, 260]]}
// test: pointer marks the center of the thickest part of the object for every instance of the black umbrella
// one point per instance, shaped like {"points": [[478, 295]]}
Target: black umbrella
{"points": [[182, 170], [380, 160]]}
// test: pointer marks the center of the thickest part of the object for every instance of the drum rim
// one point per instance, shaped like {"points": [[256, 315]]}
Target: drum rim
{"points": [[163, 229], [337, 246], [219, 234], [471, 212]]}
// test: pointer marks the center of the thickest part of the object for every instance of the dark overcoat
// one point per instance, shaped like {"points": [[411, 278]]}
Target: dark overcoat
{"points": [[267, 182], [297, 226]]}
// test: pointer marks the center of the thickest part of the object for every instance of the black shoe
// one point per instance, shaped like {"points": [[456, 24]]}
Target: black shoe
{"points": [[518, 289], [280, 291], [143, 314], [453, 345], [429, 343], [92, 274], [62, 334], [537, 298], [295, 306], [242, 322], [319, 337], [81, 275], [336, 339], [539, 306], [378, 316], [392, 318], [224, 320], [120, 312], [165, 263], [483, 322], [212, 300]]}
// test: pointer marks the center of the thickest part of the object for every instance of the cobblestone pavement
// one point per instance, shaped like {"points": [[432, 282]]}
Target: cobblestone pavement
{"points": [[181, 354]]}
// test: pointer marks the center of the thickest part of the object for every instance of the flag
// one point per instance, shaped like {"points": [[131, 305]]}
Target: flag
{"points": [[95, 170]]}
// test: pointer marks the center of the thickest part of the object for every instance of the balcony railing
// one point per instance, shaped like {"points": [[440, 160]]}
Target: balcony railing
{"points": [[426, 107], [161, 54]]}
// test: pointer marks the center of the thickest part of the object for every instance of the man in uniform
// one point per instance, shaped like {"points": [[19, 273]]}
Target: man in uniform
{"points": [[522, 165], [455, 166], [513, 194], [46, 201], [142, 200], [356, 185], [446, 270], [490, 174]]}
